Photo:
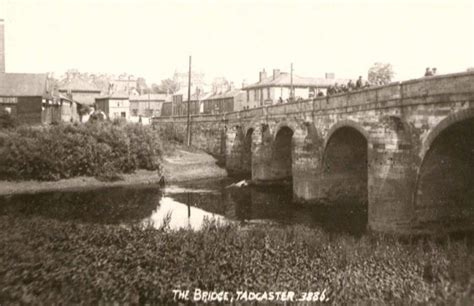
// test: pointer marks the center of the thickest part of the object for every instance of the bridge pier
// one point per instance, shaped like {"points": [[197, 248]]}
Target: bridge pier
{"points": [[392, 167], [262, 155], [307, 164]]}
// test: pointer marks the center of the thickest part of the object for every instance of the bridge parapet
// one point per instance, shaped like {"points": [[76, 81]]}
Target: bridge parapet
{"points": [[455, 83], [289, 108]]}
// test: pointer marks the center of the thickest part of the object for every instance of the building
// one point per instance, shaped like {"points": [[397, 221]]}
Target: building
{"points": [[124, 83], [69, 109], [179, 103], [82, 91], [147, 105], [224, 102], [115, 106], [30, 99], [277, 88]]}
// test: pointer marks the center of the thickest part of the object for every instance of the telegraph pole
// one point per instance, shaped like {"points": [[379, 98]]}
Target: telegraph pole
{"points": [[188, 126], [291, 84]]}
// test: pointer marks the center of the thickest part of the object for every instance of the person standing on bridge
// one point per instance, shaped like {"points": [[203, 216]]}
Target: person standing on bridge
{"points": [[359, 83], [428, 72]]}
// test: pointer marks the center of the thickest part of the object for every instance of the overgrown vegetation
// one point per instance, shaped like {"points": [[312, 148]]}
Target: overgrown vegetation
{"points": [[47, 261], [101, 149], [6, 120]]}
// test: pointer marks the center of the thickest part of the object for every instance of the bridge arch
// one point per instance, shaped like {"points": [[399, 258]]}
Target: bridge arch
{"points": [[344, 165], [292, 125], [444, 186], [282, 152], [247, 150], [345, 123], [441, 126]]}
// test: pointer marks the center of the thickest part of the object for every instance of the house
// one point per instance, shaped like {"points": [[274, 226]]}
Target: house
{"points": [[224, 102], [179, 105], [124, 83], [147, 105], [81, 91], [30, 99], [276, 88], [69, 109], [115, 106]]}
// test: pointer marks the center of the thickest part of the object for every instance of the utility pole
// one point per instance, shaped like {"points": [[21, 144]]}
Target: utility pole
{"points": [[292, 93], [188, 126]]}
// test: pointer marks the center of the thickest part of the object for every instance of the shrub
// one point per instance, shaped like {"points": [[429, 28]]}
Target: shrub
{"points": [[6, 120], [101, 149]]}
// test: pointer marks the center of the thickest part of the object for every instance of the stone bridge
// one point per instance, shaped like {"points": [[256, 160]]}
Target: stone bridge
{"points": [[404, 151]]}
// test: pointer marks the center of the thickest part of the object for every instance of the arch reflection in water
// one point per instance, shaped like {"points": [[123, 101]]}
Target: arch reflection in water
{"points": [[179, 215]]}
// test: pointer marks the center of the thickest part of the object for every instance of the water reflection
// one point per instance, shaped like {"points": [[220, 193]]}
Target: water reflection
{"points": [[187, 204], [178, 215]]}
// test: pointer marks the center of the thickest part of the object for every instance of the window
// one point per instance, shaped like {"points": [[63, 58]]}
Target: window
{"points": [[123, 114], [255, 95], [248, 95], [135, 112]]}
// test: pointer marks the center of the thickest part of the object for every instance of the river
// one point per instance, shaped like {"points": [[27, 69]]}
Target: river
{"points": [[184, 205]]}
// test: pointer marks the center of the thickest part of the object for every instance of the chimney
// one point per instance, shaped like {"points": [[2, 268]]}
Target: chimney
{"points": [[276, 73], [262, 75], [244, 83], [2, 47], [330, 75]]}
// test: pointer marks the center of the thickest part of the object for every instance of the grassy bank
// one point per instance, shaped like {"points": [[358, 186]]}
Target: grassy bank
{"points": [[50, 261]]}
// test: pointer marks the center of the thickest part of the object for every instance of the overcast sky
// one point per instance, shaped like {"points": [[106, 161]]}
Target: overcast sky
{"points": [[236, 39]]}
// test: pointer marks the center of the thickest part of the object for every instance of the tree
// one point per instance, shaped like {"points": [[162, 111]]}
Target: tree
{"points": [[142, 87], [220, 84], [380, 74], [169, 85]]}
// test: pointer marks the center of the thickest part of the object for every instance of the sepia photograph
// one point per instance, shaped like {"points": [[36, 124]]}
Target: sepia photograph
{"points": [[236, 152]]}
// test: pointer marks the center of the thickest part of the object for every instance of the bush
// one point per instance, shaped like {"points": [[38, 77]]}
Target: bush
{"points": [[101, 149], [6, 120]]}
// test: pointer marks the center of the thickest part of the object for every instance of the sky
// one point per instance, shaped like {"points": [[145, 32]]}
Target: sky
{"points": [[237, 39]]}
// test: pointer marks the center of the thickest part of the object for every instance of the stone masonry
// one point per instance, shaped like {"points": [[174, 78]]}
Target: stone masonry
{"points": [[382, 146]]}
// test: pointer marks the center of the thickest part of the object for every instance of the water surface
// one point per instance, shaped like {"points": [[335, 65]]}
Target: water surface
{"points": [[185, 205]]}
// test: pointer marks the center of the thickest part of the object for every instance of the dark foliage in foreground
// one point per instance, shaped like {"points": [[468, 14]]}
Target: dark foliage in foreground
{"points": [[7, 121], [50, 261], [101, 149]]}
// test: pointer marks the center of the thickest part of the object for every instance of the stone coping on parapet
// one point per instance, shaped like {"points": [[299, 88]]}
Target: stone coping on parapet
{"points": [[372, 97]]}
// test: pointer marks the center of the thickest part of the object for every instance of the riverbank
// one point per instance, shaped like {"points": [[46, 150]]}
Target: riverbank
{"points": [[179, 164]]}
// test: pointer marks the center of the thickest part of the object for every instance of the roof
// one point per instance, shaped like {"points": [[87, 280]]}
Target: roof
{"points": [[77, 84], [115, 95], [223, 95], [195, 94], [147, 97], [23, 84], [65, 97], [284, 79]]}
